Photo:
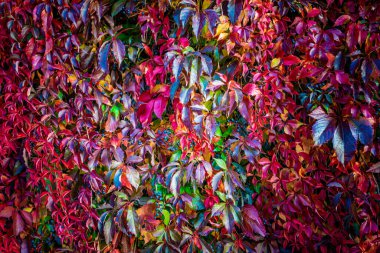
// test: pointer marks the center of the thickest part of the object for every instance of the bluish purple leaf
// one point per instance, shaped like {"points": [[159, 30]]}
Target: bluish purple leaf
{"points": [[177, 66], [234, 8], [212, 19], [173, 89], [344, 143], [323, 130], [184, 95], [362, 130], [366, 70], [338, 61], [84, 11], [116, 178], [103, 56], [353, 66]]}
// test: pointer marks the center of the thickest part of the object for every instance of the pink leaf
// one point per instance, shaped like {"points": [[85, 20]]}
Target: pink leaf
{"points": [[375, 168], [145, 112], [342, 20], [159, 106]]}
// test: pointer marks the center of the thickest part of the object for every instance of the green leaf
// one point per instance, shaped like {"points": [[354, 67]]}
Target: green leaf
{"points": [[194, 72], [132, 220], [175, 156], [222, 164], [60, 95], [117, 7], [197, 204], [228, 132], [116, 109], [221, 195], [132, 53], [166, 215], [275, 62], [218, 132]]}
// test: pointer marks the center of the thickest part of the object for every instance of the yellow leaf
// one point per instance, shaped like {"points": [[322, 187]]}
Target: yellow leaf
{"points": [[147, 236], [223, 36], [275, 62], [223, 27], [206, 4], [72, 79]]}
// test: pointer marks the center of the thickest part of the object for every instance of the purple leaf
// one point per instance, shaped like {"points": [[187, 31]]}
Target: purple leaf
{"points": [[375, 168], [198, 23], [134, 159], [118, 50], [334, 184], [215, 180], [206, 64], [105, 158], [119, 154], [228, 219], [177, 66], [18, 223], [185, 14]]}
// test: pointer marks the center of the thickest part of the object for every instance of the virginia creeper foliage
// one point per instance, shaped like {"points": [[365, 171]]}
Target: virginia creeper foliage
{"points": [[189, 126]]}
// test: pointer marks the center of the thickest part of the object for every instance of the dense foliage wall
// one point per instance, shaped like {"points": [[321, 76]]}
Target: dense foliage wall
{"points": [[189, 126]]}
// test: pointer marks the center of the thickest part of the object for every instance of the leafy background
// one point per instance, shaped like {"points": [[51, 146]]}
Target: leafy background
{"points": [[189, 126]]}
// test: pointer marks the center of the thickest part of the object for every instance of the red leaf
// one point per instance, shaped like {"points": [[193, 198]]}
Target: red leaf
{"points": [[290, 60], [6, 212], [313, 12]]}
